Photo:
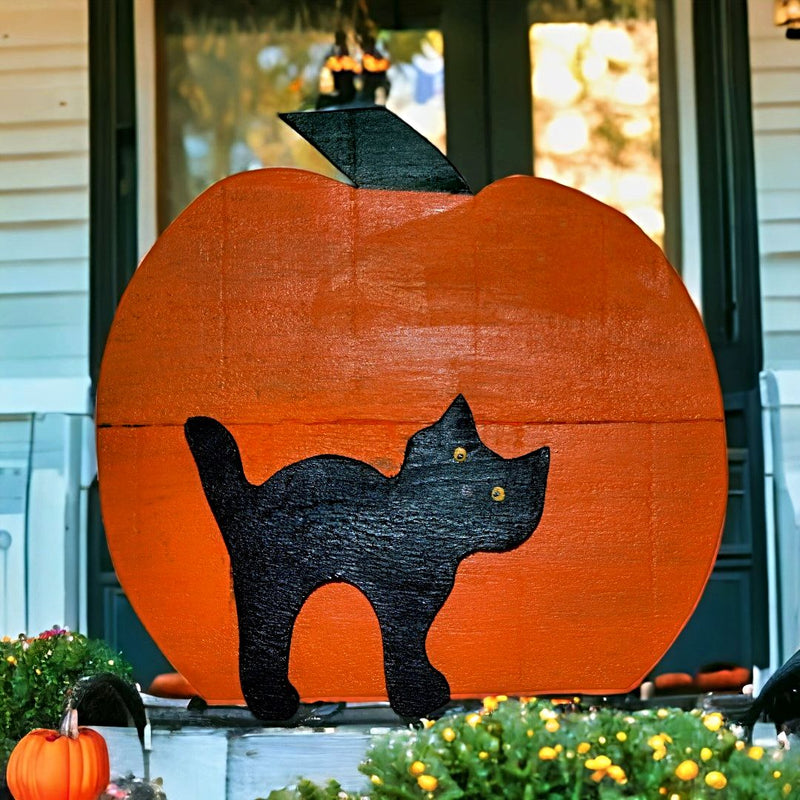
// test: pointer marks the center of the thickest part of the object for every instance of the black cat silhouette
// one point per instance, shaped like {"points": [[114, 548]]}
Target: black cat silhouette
{"points": [[399, 540]]}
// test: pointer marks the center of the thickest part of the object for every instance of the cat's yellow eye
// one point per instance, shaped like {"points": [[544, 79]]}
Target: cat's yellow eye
{"points": [[459, 455], [498, 494]]}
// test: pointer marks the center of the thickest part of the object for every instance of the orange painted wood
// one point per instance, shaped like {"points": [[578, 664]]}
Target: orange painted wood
{"points": [[310, 317], [171, 684]]}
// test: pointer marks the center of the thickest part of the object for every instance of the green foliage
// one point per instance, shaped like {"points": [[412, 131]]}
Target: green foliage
{"points": [[35, 675], [522, 750]]}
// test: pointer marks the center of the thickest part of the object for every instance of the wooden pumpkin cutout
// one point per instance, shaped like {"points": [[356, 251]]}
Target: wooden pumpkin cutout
{"points": [[309, 318]]}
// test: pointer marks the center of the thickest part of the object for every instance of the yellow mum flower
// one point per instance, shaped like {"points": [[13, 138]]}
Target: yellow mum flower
{"points": [[490, 703], [529, 733], [547, 754], [428, 723], [552, 725], [659, 754], [598, 775], [598, 762], [584, 747], [713, 721], [11, 660], [622, 736], [776, 774], [656, 742], [448, 734], [687, 770], [473, 720], [376, 780], [787, 787], [706, 753], [716, 780], [616, 773], [601, 739], [501, 698], [739, 745], [547, 713], [417, 768], [427, 782], [756, 753], [662, 713], [483, 755]]}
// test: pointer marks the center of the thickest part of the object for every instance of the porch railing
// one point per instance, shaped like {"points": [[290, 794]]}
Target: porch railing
{"points": [[46, 465]]}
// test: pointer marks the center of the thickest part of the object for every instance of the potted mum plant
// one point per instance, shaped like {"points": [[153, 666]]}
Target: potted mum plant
{"points": [[528, 748], [36, 673]]}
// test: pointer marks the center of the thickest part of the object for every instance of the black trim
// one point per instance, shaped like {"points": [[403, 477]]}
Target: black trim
{"points": [[487, 88], [112, 227], [112, 166], [731, 292], [730, 281]]}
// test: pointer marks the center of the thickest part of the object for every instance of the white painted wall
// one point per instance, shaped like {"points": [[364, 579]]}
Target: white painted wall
{"points": [[775, 63]]}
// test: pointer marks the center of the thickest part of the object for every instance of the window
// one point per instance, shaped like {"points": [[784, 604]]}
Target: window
{"points": [[596, 112], [224, 75]]}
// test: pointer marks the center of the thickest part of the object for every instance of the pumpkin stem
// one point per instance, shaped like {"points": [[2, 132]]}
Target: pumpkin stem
{"points": [[69, 724], [377, 150]]}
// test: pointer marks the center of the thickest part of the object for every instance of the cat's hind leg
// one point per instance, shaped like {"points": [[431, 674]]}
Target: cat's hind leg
{"points": [[267, 604]]}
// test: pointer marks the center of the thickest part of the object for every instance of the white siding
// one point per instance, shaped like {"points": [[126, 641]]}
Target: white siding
{"points": [[44, 202], [44, 322], [775, 65]]}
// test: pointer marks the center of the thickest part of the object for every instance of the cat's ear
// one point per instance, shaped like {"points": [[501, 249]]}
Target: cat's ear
{"points": [[538, 461], [458, 414]]}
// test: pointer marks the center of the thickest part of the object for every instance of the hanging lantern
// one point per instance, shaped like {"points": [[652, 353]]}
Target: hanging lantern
{"points": [[375, 83], [787, 14], [357, 78], [342, 69]]}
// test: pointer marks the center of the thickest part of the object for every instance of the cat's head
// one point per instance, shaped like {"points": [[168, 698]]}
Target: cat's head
{"points": [[463, 485]]}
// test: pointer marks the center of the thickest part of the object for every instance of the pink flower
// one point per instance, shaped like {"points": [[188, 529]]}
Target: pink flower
{"points": [[54, 631]]}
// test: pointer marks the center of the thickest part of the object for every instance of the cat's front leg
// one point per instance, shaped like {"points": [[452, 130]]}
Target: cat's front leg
{"points": [[416, 688]]}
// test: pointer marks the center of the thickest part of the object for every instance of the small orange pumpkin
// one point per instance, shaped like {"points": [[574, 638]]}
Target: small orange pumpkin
{"points": [[68, 764]]}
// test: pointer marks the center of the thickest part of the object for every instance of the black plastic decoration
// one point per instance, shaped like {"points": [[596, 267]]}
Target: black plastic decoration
{"points": [[375, 149], [399, 540]]}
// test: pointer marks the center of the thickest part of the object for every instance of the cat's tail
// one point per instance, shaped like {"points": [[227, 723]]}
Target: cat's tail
{"points": [[220, 466]]}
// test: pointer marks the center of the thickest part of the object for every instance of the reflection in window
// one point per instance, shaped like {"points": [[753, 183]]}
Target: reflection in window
{"points": [[596, 108], [417, 81], [223, 79]]}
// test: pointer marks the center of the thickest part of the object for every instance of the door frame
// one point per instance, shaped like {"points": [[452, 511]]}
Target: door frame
{"points": [[487, 91]]}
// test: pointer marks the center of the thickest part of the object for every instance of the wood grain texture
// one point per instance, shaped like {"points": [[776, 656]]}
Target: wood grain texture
{"points": [[310, 317]]}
